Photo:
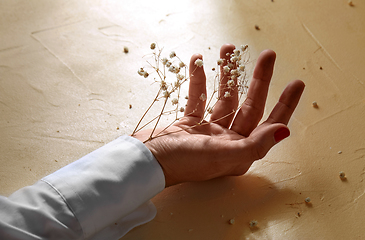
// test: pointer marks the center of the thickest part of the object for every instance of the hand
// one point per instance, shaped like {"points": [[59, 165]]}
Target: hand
{"points": [[224, 146]]}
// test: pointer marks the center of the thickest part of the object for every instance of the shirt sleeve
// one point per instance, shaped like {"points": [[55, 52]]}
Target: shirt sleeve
{"points": [[101, 196]]}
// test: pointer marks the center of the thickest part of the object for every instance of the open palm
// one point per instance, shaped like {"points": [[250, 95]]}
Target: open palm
{"points": [[229, 143]]}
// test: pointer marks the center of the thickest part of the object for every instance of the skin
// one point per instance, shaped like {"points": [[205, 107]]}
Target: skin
{"points": [[224, 146]]}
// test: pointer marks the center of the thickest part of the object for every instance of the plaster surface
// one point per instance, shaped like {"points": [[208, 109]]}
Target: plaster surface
{"points": [[66, 87]]}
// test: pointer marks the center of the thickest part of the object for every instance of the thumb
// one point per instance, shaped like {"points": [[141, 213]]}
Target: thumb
{"points": [[266, 136]]}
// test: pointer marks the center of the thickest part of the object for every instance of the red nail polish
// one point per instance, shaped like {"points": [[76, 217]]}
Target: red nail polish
{"points": [[281, 134]]}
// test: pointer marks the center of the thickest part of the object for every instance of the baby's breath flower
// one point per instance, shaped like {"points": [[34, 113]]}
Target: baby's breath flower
{"points": [[220, 61], [234, 72], [198, 62], [153, 46], [174, 101], [181, 64], [242, 68], [244, 47], [234, 59], [210, 110], [180, 76], [230, 65], [172, 69], [163, 85], [226, 69], [203, 97], [176, 70], [227, 94], [236, 52], [165, 61], [172, 54], [141, 71], [182, 109], [230, 83], [168, 64], [166, 94], [145, 74], [177, 84]]}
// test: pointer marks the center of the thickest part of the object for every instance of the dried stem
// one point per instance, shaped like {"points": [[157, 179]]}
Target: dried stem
{"points": [[237, 81]]}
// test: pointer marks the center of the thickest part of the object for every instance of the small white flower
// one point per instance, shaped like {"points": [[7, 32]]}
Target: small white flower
{"points": [[176, 70], [226, 69], [181, 64], [210, 110], [308, 200], [237, 52], [141, 71], [174, 101], [198, 62], [241, 68], [203, 97], [234, 59], [163, 85], [172, 54], [234, 72], [244, 47], [168, 64], [230, 83], [177, 84], [227, 94], [153, 46], [164, 61], [342, 175], [166, 94], [220, 61], [180, 76], [182, 109], [172, 69], [145, 74]]}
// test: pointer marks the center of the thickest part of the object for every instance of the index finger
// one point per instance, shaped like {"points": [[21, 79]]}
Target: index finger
{"points": [[195, 106]]}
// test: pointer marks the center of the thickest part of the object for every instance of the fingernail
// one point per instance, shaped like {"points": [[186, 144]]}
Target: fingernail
{"points": [[281, 134]]}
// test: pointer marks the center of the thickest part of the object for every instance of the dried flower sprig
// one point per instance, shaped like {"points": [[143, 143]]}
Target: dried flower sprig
{"points": [[172, 74]]}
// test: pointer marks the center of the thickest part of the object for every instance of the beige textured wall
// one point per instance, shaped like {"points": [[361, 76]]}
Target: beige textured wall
{"points": [[66, 86]]}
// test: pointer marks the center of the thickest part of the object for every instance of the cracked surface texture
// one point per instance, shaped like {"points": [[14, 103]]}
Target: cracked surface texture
{"points": [[66, 86]]}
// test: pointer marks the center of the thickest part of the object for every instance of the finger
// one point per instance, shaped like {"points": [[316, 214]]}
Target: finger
{"points": [[252, 109], [265, 137], [197, 89], [288, 101], [255, 147], [223, 111]]}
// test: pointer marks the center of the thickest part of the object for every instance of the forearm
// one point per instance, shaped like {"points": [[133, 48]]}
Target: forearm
{"points": [[88, 195]]}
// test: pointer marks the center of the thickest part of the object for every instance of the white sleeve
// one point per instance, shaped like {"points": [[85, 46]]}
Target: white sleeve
{"points": [[101, 196]]}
